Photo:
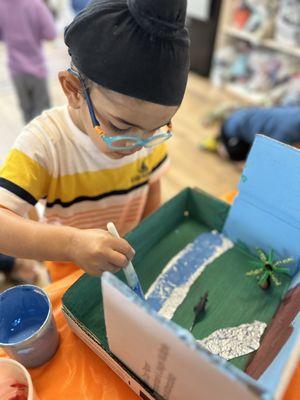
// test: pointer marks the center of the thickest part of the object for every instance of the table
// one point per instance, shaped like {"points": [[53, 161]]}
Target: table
{"points": [[75, 372]]}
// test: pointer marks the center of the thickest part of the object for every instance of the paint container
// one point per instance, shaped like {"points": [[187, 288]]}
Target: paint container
{"points": [[27, 329], [15, 381]]}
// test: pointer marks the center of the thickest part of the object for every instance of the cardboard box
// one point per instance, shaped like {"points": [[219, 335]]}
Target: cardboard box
{"points": [[159, 358]]}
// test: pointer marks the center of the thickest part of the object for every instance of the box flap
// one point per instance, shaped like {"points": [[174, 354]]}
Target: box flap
{"points": [[266, 213], [166, 356]]}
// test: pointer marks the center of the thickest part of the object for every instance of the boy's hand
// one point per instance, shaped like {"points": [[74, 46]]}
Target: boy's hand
{"points": [[96, 251]]}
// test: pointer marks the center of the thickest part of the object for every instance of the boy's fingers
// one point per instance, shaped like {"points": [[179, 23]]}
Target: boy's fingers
{"points": [[112, 268], [122, 246], [117, 259], [108, 267]]}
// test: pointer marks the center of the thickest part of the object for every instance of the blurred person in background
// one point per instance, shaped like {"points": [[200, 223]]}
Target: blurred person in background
{"points": [[52, 7], [239, 128], [62, 12], [24, 24]]}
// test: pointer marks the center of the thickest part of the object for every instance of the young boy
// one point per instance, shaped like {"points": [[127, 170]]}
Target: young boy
{"points": [[100, 158], [24, 24]]}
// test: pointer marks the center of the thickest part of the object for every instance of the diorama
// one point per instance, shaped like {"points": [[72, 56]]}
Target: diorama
{"points": [[220, 318]]}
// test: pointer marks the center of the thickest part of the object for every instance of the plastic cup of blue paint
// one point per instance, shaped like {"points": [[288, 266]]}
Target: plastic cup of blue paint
{"points": [[28, 331]]}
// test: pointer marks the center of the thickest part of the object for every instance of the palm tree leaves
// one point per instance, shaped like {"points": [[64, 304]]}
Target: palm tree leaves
{"points": [[263, 279], [267, 268], [274, 279], [255, 272], [284, 262], [262, 255]]}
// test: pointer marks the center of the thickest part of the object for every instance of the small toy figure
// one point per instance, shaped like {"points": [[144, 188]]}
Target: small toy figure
{"points": [[266, 273], [199, 309]]}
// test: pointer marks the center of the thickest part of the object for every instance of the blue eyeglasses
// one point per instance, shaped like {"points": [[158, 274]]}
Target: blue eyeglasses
{"points": [[121, 142]]}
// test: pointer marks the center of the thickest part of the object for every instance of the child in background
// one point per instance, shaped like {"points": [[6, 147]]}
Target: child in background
{"points": [[24, 24], [99, 158], [238, 130]]}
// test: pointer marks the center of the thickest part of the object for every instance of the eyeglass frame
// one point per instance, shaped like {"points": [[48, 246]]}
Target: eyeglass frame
{"points": [[109, 140]]}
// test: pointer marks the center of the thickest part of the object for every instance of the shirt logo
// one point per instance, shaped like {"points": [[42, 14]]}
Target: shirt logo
{"points": [[143, 170]]}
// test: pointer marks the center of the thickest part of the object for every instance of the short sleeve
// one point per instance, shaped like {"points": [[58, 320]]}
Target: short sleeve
{"points": [[24, 178]]}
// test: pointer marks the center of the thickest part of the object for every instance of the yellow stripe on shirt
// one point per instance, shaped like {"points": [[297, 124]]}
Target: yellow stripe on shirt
{"points": [[29, 175], [26, 173], [94, 184]]}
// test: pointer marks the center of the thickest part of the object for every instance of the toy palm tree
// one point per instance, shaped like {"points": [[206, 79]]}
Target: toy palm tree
{"points": [[268, 269]]}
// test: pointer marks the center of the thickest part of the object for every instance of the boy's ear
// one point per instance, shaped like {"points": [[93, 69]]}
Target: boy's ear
{"points": [[72, 88]]}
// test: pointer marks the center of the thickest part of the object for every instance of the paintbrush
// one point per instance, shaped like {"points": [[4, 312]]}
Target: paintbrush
{"points": [[199, 309], [129, 271]]}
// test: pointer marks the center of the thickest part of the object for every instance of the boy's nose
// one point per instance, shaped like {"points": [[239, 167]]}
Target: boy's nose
{"points": [[143, 134], [134, 150], [128, 152]]}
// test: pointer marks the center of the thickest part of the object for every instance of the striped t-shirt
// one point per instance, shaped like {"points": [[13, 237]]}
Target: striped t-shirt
{"points": [[81, 187]]}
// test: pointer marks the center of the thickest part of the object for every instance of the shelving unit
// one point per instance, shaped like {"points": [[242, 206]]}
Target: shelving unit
{"points": [[227, 34], [267, 43], [242, 93]]}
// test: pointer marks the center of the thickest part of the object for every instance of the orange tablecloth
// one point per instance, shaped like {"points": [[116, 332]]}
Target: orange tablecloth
{"points": [[229, 197], [76, 373]]}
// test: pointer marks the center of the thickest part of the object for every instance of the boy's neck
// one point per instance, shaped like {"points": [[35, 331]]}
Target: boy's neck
{"points": [[74, 114]]}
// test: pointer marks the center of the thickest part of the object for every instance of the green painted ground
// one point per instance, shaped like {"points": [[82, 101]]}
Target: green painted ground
{"points": [[84, 298], [233, 298]]}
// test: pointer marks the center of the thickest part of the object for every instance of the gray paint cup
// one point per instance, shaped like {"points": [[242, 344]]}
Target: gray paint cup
{"points": [[28, 331]]}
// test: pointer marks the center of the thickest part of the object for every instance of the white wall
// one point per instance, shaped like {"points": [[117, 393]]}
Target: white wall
{"points": [[199, 9]]}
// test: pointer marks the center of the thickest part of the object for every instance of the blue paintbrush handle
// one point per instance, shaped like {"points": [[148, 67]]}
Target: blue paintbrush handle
{"points": [[129, 271]]}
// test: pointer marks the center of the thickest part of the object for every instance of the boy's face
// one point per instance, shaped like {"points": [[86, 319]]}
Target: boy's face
{"points": [[119, 114]]}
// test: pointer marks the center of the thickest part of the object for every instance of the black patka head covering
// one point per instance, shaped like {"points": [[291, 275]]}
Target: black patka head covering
{"points": [[135, 47]]}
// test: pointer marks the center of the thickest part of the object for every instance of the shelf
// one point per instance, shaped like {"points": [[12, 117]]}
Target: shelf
{"points": [[240, 34], [274, 45], [267, 43], [243, 93]]}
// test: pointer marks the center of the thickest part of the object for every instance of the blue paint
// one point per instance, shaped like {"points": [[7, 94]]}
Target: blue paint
{"points": [[179, 273], [27, 329], [139, 291], [266, 213], [23, 332]]}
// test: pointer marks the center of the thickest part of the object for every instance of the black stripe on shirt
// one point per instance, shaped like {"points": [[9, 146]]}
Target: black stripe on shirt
{"points": [[18, 191], [159, 164], [66, 204]]}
